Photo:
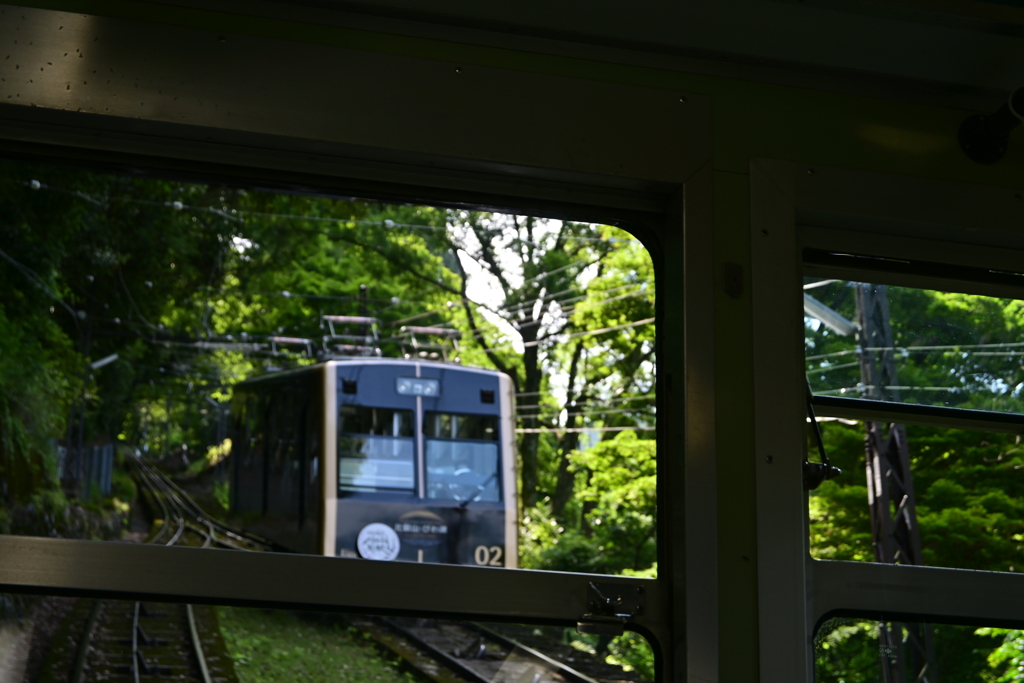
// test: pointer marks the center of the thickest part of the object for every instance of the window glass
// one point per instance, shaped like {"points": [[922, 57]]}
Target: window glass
{"points": [[922, 346], [375, 421], [385, 459], [865, 650], [448, 426], [254, 645], [152, 326], [462, 471], [966, 497], [459, 467]]}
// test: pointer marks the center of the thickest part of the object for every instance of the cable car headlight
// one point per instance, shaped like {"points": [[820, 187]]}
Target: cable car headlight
{"points": [[414, 386]]}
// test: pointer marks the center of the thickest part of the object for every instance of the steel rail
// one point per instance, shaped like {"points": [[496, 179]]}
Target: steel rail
{"points": [[440, 655], [157, 579], [208, 537], [135, 643], [158, 490], [78, 669], [178, 533], [454, 662], [163, 507], [177, 508], [197, 645], [565, 671], [185, 503], [161, 490]]}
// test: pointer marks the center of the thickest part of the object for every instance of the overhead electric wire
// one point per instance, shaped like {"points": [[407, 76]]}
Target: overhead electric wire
{"points": [[34, 277], [570, 311], [177, 205], [608, 402], [560, 269], [239, 213], [236, 213], [585, 333], [920, 349], [899, 387], [829, 368], [590, 413], [533, 302], [576, 430]]}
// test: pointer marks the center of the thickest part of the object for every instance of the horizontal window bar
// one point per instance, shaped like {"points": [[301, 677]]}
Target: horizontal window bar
{"points": [[912, 593], [50, 566], [942, 271], [888, 411]]}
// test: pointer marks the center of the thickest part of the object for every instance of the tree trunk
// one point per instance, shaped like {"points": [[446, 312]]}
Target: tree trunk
{"points": [[531, 440], [565, 485]]}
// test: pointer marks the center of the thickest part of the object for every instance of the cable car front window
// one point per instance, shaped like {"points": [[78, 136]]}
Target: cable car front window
{"points": [[376, 450], [462, 457]]}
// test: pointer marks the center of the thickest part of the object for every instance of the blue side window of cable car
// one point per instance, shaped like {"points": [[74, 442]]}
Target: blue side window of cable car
{"points": [[462, 457], [376, 449]]}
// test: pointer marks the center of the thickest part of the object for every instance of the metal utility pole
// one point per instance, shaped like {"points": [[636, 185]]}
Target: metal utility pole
{"points": [[73, 463], [167, 428], [895, 534], [364, 311]]}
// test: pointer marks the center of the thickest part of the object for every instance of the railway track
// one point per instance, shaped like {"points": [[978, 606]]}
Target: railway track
{"points": [[467, 651], [177, 520], [117, 640], [131, 642]]}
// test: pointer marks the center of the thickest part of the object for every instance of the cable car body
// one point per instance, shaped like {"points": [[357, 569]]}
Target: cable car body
{"points": [[383, 459]]}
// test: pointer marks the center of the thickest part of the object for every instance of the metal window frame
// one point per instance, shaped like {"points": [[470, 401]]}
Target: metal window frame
{"points": [[794, 206], [241, 107]]}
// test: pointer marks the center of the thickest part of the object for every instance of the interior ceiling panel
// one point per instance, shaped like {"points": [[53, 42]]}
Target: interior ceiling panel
{"points": [[966, 47]]}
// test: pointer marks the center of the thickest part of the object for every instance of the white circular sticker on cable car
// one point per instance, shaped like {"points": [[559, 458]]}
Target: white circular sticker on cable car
{"points": [[378, 542]]}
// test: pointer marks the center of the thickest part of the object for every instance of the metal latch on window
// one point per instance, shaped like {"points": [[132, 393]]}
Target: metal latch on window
{"points": [[610, 606]]}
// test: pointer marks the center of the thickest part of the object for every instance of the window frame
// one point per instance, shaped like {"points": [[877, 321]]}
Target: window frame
{"points": [[92, 569], [796, 206], [654, 179]]}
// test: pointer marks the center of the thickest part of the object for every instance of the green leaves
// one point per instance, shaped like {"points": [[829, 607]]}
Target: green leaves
{"points": [[617, 488]]}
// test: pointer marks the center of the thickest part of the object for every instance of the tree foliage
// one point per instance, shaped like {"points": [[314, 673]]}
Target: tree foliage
{"points": [[951, 349], [617, 532], [187, 282], [184, 281]]}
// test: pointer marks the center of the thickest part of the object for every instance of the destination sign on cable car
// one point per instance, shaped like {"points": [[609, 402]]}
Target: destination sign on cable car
{"points": [[414, 386]]}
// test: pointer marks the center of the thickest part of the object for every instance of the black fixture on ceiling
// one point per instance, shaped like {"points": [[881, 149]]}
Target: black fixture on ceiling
{"points": [[984, 137]]}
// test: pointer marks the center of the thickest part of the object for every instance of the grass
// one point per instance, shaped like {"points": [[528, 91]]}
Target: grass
{"points": [[275, 646]]}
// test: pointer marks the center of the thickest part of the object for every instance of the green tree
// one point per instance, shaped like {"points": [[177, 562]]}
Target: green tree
{"points": [[951, 349], [618, 476]]}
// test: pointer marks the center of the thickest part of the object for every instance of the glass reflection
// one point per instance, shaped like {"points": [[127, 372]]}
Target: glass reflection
{"points": [[53, 638], [181, 325], [863, 650], [968, 497], [929, 347]]}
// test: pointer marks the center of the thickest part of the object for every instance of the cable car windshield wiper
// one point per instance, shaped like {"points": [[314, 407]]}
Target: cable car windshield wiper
{"points": [[480, 491]]}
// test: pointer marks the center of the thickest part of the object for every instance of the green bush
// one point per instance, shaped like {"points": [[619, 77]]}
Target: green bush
{"points": [[34, 395], [123, 486]]}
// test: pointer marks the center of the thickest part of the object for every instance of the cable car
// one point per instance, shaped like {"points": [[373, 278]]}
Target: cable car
{"points": [[383, 459]]}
